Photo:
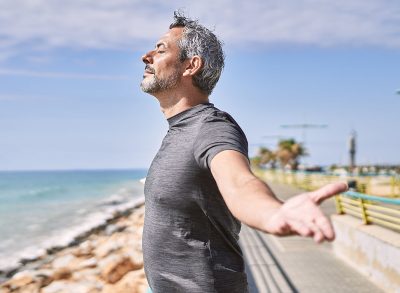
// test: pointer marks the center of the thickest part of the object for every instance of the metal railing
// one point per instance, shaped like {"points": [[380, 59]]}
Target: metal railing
{"points": [[371, 209], [377, 185]]}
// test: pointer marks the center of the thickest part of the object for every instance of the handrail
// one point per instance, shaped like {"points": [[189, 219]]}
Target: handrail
{"points": [[372, 197], [372, 209], [377, 185], [369, 208]]}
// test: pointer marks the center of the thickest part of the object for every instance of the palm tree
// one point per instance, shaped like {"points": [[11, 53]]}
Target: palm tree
{"points": [[267, 156], [289, 152]]}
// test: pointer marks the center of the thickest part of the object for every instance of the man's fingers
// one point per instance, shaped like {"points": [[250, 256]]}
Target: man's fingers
{"points": [[320, 229], [301, 229], [325, 226], [328, 191]]}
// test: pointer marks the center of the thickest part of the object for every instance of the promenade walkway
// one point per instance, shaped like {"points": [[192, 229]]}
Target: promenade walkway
{"points": [[296, 264]]}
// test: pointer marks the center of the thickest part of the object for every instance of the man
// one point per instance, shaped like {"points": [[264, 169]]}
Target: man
{"points": [[200, 186]]}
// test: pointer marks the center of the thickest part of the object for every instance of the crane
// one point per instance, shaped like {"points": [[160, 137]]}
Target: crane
{"points": [[304, 127]]}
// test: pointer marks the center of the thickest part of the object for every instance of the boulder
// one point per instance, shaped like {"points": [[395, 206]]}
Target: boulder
{"points": [[19, 280], [63, 273], [66, 261], [31, 288], [86, 263], [132, 282], [114, 267], [136, 257], [63, 286], [84, 249], [44, 277], [89, 274], [106, 247]]}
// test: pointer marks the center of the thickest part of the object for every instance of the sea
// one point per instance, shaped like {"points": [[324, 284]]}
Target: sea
{"points": [[40, 210]]}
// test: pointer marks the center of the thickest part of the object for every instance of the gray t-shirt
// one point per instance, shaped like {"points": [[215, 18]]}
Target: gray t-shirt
{"points": [[190, 238]]}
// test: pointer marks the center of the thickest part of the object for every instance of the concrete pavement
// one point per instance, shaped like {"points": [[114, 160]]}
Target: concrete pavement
{"points": [[296, 264]]}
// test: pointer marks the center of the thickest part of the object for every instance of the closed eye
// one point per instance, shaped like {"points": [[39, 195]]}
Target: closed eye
{"points": [[160, 47]]}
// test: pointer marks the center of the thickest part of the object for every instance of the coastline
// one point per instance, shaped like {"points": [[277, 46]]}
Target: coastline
{"points": [[106, 258]]}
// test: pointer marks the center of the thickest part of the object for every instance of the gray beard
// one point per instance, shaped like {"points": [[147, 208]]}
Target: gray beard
{"points": [[153, 84]]}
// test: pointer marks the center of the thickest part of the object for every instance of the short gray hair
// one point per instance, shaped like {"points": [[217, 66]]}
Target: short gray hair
{"points": [[199, 40]]}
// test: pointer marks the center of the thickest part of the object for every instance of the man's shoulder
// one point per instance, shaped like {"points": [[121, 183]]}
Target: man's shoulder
{"points": [[215, 121], [213, 114]]}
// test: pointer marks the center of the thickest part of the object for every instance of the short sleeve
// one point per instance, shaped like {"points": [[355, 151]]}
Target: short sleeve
{"points": [[218, 132]]}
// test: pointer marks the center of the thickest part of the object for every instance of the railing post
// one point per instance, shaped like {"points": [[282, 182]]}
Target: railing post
{"points": [[368, 185], [363, 212], [338, 203], [392, 185]]}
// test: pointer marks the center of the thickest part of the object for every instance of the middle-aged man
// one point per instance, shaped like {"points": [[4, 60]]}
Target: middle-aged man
{"points": [[200, 187]]}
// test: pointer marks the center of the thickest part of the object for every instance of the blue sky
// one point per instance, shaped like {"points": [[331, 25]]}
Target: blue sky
{"points": [[70, 74]]}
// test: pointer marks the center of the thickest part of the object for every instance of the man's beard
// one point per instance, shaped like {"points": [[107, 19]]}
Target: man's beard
{"points": [[153, 84]]}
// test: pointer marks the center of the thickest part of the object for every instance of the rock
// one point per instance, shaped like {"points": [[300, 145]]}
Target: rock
{"points": [[71, 287], [31, 288], [106, 247], [132, 282], [136, 258], [19, 280], [70, 263], [65, 261], [62, 273], [110, 229], [87, 263], [114, 267], [44, 277], [89, 275], [102, 262], [28, 281], [84, 249]]}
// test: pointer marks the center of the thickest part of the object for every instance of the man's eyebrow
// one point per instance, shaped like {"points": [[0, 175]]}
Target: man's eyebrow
{"points": [[159, 44]]}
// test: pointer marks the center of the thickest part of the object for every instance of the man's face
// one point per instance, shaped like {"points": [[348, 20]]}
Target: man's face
{"points": [[163, 69]]}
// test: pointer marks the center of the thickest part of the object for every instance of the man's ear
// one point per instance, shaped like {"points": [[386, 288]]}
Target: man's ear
{"points": [[193, 66]]}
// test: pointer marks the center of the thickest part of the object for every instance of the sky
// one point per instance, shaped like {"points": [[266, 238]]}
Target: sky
{"points": [[70, 74]]}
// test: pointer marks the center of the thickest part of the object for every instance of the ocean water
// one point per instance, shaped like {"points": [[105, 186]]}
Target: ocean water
{"points": [[44, 209]]}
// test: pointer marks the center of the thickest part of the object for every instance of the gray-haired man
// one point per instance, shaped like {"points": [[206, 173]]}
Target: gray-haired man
{"points": [[200, 186]]}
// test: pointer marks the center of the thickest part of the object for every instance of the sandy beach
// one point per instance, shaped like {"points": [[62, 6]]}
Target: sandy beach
{"points": [[108, 260]]}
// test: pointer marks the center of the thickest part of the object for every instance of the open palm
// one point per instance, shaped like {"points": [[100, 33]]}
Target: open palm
{"points": [[302, 215]]}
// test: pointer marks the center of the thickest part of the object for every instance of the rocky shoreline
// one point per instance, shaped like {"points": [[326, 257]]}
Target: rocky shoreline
{"points": [[107, 260]]}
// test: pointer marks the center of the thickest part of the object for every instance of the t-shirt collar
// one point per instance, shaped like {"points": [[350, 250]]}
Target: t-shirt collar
{"points": [[189, 112]]}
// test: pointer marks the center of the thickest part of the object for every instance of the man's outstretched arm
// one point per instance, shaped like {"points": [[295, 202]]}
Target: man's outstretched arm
{"points": [[252, 202]]}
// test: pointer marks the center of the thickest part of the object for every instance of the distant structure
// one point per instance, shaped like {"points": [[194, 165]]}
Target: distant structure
{"points": [[352, 150], [304, 127]]}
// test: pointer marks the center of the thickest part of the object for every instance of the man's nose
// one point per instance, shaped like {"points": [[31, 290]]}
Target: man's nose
{"points": [[147, 58]]}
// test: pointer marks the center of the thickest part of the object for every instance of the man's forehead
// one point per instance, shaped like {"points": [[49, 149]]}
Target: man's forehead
{"points": [[171, 36]]}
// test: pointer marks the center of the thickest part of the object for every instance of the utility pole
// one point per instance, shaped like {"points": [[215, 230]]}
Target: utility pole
{"points": [[352, 151]]}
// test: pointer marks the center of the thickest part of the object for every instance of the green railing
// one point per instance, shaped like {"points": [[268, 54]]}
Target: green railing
{"points": [[377, 185], [371, 209]]}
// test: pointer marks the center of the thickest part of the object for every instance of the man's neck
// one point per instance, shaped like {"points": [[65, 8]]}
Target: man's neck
{"points": [[173, 105]]}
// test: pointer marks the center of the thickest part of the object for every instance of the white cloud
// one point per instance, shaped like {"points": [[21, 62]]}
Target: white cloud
{"points": [[126, 24], [30, 73]]}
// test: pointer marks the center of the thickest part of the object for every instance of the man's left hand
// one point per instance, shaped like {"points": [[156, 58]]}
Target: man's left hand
{"points": [[302, 215]]}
